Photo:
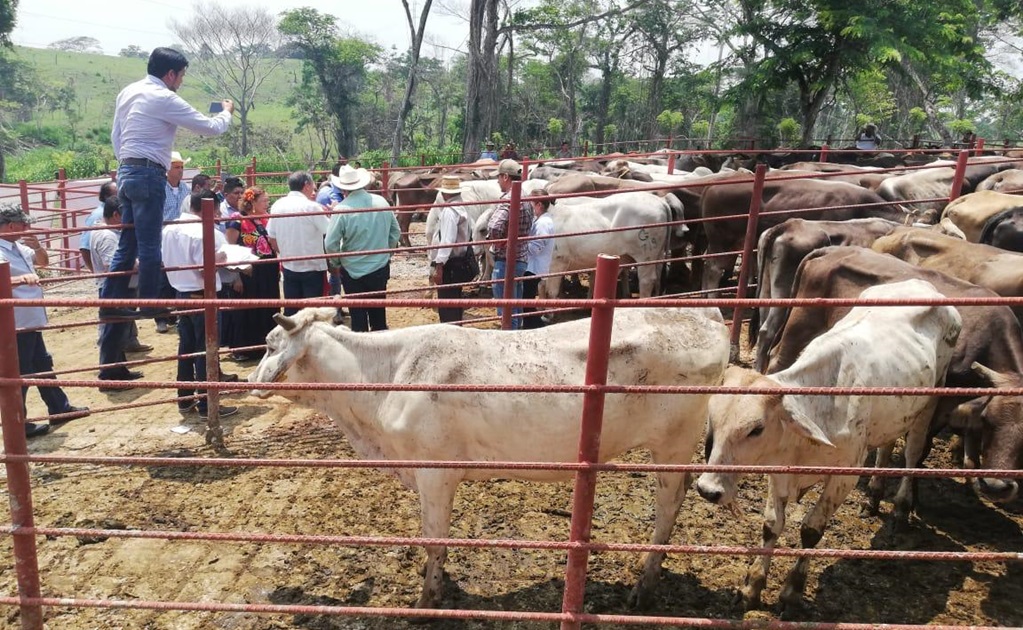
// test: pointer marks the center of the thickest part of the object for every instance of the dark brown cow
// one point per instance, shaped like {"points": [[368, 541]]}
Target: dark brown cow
{"points": [[982, 265], [779, 252], [805, 198], [989, 353], [419, 189], [1004, 230]]}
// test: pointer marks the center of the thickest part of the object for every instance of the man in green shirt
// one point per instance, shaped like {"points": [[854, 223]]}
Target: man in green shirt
{"points": [[362, 230]]}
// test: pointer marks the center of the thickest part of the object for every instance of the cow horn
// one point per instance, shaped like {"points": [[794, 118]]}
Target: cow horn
{"points": [[284, 322], [986, 373]]}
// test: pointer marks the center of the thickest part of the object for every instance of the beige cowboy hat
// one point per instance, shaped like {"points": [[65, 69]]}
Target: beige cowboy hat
{"points": [[450, 184], [508, 167], [177, 159], [349, 178]]}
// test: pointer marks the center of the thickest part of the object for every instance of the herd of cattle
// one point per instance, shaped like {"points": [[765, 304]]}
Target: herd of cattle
{"points": [[857, 233]]}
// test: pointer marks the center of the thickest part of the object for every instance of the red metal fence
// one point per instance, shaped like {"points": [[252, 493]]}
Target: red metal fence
{"points": [[17, 459]]}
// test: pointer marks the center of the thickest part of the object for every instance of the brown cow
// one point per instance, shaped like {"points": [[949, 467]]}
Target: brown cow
{"points": [[1008, 181], [779, 252], [419, 189], [983, 265], [808, 198], [971, 212], [989, 353]]}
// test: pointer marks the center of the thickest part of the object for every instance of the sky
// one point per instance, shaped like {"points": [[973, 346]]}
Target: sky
{"points": [[144, 22]]}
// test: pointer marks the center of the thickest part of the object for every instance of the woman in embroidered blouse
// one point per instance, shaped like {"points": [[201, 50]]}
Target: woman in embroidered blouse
{"points": [[249, 327]]}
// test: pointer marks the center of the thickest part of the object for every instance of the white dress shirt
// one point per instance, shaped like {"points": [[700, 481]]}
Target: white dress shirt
{"points": [[147, 115], [541, 250], [298, 236], [103, 246], [453, 227], [182, 246]]}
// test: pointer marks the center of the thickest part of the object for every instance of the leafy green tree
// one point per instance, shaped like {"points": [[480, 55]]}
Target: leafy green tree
{"points": [[133, 52], [338, 65]]}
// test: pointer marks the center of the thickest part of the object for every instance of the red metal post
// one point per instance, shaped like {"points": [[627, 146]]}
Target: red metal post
{"points": [[19, 483], [586, 148], [747, 253], [385, 182], [23, 190], [422, 159], [511, 252], [525, 169], [250, 175], [667, 145], [671, 163], [823, 154], [957, 182], [220, 172], [980, 146], [62, 196], [605, 285], [214, 432]]}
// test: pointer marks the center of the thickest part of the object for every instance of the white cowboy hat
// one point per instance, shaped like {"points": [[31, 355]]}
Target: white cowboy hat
{"points": [[176, 158], [450, 184], [349, 178]]}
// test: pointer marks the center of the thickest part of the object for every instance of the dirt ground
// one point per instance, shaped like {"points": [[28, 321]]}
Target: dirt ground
{"points": [[366, 502]]}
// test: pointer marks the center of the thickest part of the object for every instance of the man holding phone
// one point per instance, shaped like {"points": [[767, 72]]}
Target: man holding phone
{"points": [[216, 107], [147, 115]]}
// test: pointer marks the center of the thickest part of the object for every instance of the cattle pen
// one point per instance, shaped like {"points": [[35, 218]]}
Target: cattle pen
{"points": [[271, 521]]}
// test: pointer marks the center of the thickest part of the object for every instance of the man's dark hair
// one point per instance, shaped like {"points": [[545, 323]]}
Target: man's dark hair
{"points": [[163, 60], [110, 206], [107, 190], [298, 180], [199, 182], [195, 203], [231, 183]]}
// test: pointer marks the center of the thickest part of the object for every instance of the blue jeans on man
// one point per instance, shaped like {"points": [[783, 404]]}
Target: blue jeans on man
{"points": [[142, 190], [300, 285], [500, 267]]}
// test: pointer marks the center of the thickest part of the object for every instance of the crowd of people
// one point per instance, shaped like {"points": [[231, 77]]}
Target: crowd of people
{"points": [[310, 243]]}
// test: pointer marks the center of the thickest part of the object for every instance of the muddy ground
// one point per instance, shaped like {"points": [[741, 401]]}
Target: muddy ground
{"points": [[366, 502]]}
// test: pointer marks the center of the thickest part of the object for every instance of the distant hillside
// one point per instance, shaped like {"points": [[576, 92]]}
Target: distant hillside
{"points": [[98, 79]]}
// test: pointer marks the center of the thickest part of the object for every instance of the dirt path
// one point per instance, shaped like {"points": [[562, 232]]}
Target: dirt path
{"points": [[365, 502]]}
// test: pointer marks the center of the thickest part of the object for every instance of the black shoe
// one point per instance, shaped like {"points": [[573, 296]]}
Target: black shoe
{"points": [[224, 412], [35, 430], [187, 406], [114, 314], [138, 347], [228, 378], [129, 375], [69, 414]]}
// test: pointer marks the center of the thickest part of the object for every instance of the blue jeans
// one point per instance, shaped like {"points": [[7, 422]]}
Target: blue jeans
{"points": [[498, 278], [301, 284], [142, 190]]}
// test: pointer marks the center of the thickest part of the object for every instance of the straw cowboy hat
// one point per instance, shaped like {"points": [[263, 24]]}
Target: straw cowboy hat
{"points": [[349, 178], [450, 185], [177, 159]]}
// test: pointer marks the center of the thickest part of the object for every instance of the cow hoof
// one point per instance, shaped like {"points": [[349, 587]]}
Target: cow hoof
{"points": [[639, 598], [793, 609], [747, 600]]}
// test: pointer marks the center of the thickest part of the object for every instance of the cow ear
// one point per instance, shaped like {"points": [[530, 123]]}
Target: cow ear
{"points": [[797, 419], [284, 322], [968, 414], [995, 379]]}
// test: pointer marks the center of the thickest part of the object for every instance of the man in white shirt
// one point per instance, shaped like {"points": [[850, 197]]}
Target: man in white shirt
{"points": [[106, 191], [147, 115], [32, 354], [293, 236], [182, 247]]}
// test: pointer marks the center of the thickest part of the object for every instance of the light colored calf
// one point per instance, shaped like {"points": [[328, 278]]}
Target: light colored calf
{"points": [[906, 346], [662, 346]]}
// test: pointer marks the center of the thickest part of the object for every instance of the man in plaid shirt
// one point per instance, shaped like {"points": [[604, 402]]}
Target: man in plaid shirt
{"points": [[509, 171]]}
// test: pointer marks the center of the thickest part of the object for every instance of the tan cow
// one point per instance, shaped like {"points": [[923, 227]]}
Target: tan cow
{"points": [[969, 213]]}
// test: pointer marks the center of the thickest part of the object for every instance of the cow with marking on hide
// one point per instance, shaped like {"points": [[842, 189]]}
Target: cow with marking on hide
{"points": [[989, 353], [657, 346], [872, 346]]}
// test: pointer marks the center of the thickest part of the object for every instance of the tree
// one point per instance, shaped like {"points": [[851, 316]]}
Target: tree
{"points": [[80, 44], [413, 74], [134, 52], [666, 30], [337, 64], [12, 84], [231, 50], [481, 81]]}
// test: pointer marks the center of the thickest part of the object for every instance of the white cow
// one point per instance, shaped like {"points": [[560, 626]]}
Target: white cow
{"points": [[663, 346], [906, 346], [590, 214]]}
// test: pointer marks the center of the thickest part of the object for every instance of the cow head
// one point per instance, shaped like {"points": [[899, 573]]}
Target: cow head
{"points": [[286, 345], [992, 434], [750, 430]]}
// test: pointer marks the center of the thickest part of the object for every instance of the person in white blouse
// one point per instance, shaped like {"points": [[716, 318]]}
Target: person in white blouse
{"points": [[147, 115], [539, 253]]}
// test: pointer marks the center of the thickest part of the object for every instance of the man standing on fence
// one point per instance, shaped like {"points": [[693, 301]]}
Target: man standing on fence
{"points": [[299, 236], [32, 355], [147, 115], [358, 232]]}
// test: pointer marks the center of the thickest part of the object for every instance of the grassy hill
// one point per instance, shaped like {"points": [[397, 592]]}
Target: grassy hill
{"points": [[98, 79]]}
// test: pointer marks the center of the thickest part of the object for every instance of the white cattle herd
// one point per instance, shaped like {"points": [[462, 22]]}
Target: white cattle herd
{"points": [[867, 346]]}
